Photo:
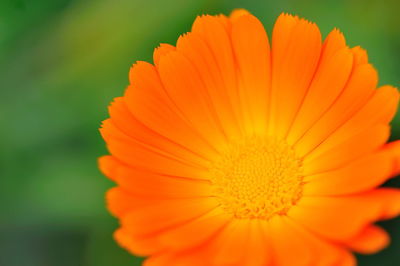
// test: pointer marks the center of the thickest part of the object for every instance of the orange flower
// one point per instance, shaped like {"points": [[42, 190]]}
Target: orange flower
{"points": [[232, 151]]}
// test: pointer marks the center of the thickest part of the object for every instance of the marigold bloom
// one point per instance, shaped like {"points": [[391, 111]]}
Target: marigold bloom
{"points": [[232, 151]]}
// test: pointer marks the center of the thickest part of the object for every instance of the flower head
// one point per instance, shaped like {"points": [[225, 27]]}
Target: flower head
{"points": [[236, 150]]}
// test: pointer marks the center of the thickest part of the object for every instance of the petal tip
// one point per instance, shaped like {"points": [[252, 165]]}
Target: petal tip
{"points": [[236, 13], [162, 50], [360, 55]]}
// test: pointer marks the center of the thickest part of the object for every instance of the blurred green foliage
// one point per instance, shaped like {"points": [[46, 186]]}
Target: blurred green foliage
{"points": [[62, 62]]}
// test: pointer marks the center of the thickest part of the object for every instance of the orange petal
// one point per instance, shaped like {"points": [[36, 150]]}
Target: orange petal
{"points": [[359, 89], [334, 42], [330, 57], [237, 13], [161, 259], [347, 259], [361, 175], [378, 110], [371, 240], [252, 52], [178, 74], [329, 81], [258, 247], [109, 130], [190, 257], [166, 215], [227, 247], [148, 102], [320, 214], [199, 52], [351, 149], [224, 248], [321, 251], [394, 149], [150, 185], [305, 247], [128, 125], [388, 200], [360, 55], [162, 50], [284, 239], [296, 49], [146, 158], [195, 232], [137, 246], [108, 165], [214, 32], [121, 202], [141, 157]]}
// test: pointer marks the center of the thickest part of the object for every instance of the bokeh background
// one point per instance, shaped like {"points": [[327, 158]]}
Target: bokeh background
{"points": [[62, 62]]}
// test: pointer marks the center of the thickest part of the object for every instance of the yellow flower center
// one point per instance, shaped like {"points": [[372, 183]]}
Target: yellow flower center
{"points": [[258, 178]]}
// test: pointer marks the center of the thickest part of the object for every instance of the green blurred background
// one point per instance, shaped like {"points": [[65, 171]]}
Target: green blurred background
{"points": [[62, 62]]}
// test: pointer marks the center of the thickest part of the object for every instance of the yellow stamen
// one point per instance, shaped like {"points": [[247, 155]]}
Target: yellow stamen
{"points": [[258, 178]]}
